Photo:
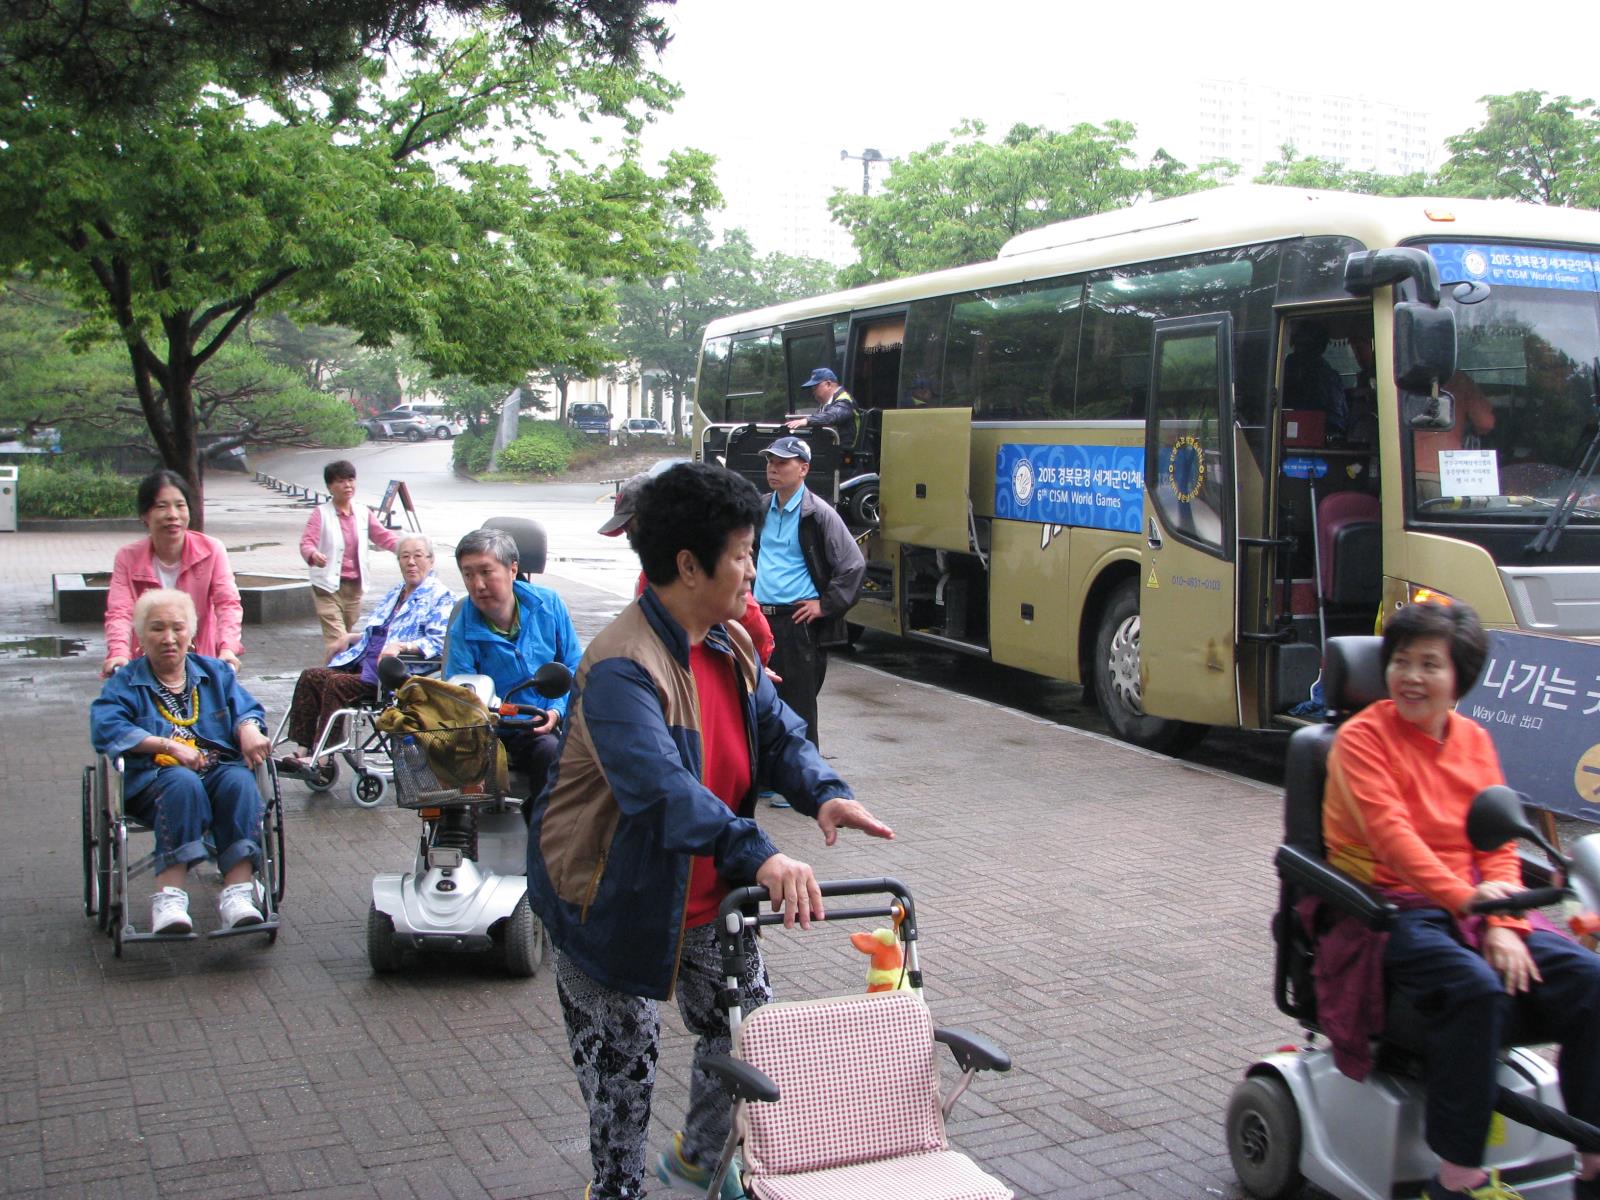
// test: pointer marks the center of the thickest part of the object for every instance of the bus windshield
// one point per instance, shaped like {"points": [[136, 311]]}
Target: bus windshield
{"points": [[1526, 388]]}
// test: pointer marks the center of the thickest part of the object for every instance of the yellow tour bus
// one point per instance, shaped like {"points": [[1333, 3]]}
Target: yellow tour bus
{"points": [[1166, 451]]}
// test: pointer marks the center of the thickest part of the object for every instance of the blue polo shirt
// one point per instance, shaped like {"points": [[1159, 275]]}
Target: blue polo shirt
{"points": [[781, 575]]}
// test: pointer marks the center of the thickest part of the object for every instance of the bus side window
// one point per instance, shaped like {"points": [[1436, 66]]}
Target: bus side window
{"points": [[711, 381], [922, 361], [752, 375]]}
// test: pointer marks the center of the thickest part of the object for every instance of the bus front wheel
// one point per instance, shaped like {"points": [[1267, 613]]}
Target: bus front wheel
{"points": [[1118, 687]]}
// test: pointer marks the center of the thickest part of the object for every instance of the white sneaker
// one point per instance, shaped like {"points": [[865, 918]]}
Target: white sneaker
{"points": [[237, 906], [169, 911]]}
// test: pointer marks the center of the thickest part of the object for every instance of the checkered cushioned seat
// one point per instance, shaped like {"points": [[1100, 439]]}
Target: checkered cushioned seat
{"points": [[858, 1113]]}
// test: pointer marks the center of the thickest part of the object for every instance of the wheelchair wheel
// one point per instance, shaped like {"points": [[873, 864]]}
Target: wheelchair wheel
{"points": [[367, 789], [381, 951], [1263, 1132], [273, 871], [91, 860], [522, 941], [323, 780]]}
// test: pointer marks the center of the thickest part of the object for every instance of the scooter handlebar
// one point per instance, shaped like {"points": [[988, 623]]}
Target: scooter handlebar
{"points": [[1520, 901]]}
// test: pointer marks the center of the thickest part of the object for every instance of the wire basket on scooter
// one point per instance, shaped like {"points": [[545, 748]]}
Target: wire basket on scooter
{"points": [[434, 768]]}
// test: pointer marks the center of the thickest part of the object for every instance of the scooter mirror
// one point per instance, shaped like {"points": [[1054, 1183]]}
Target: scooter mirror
{"points": [[392, 673], [553, 680], [1496, 818]]}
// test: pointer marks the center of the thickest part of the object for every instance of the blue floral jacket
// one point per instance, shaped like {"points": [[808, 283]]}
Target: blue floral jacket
{"points": [[421, 619]]}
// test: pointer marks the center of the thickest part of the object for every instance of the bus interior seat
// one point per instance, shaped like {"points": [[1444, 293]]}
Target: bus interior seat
{"points": [[1350, 546]]}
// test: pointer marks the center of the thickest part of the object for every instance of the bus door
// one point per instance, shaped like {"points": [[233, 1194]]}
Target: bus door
{"points": [[925, 485], [805, 348], [1188, 596]]}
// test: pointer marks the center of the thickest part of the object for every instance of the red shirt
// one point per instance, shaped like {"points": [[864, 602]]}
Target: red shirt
{"points": [[725, 769]]}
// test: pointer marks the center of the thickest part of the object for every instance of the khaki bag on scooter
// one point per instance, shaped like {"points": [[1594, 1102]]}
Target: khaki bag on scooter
{"points": [[455, 729]]}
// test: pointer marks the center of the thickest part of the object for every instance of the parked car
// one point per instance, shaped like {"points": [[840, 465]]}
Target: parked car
{"points": [[414, 422], [396, 423], [590, 418], [642, 431], [438, 419]]}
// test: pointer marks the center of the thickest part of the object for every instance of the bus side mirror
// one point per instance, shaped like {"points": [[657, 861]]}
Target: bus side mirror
{"points": [[1367, 270], [1424, 346]]}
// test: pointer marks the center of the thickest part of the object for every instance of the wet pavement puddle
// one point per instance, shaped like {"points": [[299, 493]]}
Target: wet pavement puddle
{"points": [[41, 647]]}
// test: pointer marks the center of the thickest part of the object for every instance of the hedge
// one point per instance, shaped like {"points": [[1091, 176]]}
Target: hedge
{"points": [[545, 449], [63, 491], [470, 451]]}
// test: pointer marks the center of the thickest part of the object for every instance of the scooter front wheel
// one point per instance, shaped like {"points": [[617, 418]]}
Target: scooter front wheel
{"points": [[1263, 1132], [523, 944], [381, 951]]}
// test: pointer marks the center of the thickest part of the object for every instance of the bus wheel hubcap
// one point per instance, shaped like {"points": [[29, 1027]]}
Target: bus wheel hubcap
{"points": [[1124, 665]]}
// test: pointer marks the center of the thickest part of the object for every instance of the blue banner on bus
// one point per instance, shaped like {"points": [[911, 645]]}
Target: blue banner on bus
{"points": [[1518, 266], [1101, 487], [1539, 698]]}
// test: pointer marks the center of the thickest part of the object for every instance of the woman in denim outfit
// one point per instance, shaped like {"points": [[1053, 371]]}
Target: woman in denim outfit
{"points": [[190, 739]]}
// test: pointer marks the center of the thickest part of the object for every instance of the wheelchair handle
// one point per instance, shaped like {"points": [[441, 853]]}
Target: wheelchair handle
{"points": [[1519, 901], [741, 910]]}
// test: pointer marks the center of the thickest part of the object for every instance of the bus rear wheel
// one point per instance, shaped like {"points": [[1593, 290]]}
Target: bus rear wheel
{"points": [[1117, 685]]}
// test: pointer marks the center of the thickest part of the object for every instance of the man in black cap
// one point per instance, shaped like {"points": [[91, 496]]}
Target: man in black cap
{"points": [[835, 407], [810, 573]]}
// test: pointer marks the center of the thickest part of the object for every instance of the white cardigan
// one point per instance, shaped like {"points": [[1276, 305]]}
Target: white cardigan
{"points": [[330, 544]]}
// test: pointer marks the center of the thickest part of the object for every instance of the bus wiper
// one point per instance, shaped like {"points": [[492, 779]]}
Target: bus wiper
{"points": [[1545, 540]]}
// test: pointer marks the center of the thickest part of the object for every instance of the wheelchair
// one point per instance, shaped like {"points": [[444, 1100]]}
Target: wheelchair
{"points": [[840, 1097], [352, 737], [1295, 1117], [109, 865]]}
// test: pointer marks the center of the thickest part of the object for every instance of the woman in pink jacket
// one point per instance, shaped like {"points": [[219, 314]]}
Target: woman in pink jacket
{"points": [[173, 556]]}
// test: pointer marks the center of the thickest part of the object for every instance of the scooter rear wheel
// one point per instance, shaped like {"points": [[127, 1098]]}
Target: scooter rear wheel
{"points": [[1263, 1131], [523, 944]]}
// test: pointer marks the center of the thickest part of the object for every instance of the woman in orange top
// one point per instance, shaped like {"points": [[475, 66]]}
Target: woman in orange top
{"points": [[1401, 777]]}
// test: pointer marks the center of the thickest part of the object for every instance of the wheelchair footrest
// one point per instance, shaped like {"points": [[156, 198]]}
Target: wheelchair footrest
{"points": [[266, 926], [137, 935]]}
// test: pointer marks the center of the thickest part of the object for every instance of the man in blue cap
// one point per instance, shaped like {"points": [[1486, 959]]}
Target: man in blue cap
{"points": [[835, 407], [809, 574]]}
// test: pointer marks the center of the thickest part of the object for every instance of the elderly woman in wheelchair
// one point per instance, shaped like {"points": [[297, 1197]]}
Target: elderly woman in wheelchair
{"points": [[190, 738], [409, 620], [1401, 776]]}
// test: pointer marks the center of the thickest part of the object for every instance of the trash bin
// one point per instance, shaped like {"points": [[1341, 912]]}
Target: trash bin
{"points": [[8, 499]]}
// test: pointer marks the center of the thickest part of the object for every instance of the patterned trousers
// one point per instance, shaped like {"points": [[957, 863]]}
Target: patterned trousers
{"points": [[614, 1039]]}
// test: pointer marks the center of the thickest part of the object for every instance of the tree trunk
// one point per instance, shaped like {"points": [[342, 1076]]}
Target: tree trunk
{"points": [[561, 392], [166, 396]]}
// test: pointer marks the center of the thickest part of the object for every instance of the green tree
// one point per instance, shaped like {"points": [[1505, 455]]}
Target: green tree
{"points": [[55, 373], [1542, 151], [379, 205], [1291, 169], [660, 321], [474, 402], [129, 54], [959, 200]]}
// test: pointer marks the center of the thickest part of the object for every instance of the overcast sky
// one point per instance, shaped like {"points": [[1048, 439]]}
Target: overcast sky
{"points": [[895, 75]]}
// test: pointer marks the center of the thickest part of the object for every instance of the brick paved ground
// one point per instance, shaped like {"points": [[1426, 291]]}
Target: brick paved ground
{"points": [[1100, 912]]}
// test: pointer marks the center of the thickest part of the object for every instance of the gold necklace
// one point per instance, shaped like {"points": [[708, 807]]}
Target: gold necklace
{"points": [[194, 708]]}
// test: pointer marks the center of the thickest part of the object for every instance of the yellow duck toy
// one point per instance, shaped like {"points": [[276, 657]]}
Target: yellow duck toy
{"points": [[886, 972]]}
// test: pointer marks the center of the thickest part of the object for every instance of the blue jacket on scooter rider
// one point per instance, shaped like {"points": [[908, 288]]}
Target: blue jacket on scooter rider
{"points": [[612, 839], [544, 634]]}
